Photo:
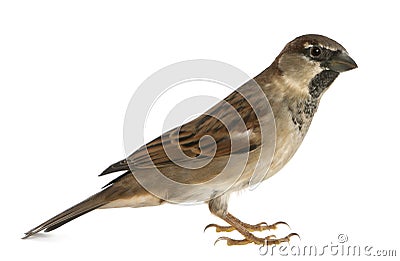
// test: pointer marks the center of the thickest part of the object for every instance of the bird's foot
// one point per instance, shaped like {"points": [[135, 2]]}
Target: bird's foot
{"points": [[267, 241], [246, 229], [258, 227]]}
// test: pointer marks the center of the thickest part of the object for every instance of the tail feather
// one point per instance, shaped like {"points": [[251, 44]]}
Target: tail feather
{"points": [[59, 224], [93, 202], [123, 191]]}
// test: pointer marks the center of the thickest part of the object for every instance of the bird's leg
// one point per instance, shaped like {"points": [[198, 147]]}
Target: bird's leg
{"points": [[239, 226]]}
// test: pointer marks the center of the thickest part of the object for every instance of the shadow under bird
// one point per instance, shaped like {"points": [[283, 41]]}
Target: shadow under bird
{"points": [[293, 85]]}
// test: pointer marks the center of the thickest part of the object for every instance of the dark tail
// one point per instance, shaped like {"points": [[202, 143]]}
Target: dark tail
{"points": [[93, 202], [123, 187]]}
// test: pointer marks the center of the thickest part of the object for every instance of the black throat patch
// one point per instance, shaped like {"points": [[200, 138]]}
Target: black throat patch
{"points": [[303, 111], [321, 82]]}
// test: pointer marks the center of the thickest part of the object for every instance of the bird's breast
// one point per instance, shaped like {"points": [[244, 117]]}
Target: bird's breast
{"points": [[290, 132]]}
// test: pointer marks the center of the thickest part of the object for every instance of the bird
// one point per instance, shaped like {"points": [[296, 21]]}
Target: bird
{"points": [[270, 113]]}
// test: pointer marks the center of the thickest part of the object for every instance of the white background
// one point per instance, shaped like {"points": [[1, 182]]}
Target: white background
{"points": [[68, 70]]}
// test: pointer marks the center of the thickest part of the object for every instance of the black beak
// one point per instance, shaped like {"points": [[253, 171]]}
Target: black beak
{"points": [[341, 62]]}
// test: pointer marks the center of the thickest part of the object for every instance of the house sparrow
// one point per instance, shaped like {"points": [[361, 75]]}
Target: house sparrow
{"points": [[293, 85]]}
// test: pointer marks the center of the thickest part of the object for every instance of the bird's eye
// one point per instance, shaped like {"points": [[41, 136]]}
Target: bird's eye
{"points": [[315, 51]]}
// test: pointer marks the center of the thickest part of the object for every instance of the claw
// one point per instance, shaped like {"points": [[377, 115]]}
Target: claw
{"points": [[221, 238], [208, 226], [219, 228], [272, 240], [280, 223], [261, 224], [234, 242], [268, 238], [293, 235]]}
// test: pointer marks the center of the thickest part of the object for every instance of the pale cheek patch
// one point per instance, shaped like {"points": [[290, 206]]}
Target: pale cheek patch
{"points": [[298, 71]]}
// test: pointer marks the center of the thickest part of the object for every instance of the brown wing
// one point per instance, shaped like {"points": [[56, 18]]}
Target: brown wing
{"points": [[215, 123]]}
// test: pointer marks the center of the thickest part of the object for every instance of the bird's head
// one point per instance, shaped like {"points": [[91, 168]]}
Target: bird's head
{"points": [[310, 63]]}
